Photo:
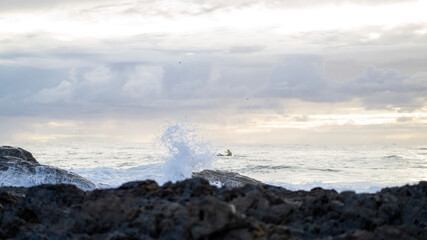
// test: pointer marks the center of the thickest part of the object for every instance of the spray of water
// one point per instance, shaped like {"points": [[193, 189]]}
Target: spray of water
{"points": [[187, 152]]}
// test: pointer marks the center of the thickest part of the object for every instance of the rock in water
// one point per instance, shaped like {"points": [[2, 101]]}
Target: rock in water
{"points": [[17, 152], [226, 178], [18, 167]]}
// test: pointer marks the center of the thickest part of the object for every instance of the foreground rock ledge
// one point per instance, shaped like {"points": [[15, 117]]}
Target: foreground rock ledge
{"points": [[193, 209]]}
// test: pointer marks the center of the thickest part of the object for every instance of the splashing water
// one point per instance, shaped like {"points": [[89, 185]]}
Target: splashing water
{"points": [[187, 152]]}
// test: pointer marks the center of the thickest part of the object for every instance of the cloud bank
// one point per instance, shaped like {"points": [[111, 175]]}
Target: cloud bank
{"points": [[233, 65], [202, 84]]}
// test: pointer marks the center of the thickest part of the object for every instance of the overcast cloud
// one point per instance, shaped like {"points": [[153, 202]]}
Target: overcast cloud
{"points": [[206, 6], [149, 61]]}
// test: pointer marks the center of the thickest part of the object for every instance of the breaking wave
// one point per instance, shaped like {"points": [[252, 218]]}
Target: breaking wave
{"points": [[187, 152]]}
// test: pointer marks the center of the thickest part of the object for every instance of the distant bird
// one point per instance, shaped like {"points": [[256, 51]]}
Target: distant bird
{"points": [[179, 62]]}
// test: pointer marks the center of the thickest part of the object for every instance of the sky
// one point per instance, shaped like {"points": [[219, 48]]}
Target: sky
{"points": [[242, 71]]}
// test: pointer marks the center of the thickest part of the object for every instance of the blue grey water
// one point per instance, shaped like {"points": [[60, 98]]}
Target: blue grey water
{"points": [[361, 168]]}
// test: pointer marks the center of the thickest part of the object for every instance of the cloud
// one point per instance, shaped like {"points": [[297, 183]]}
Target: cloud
{"points": [[246, 49], [104, 84], [28, 5], [189, 85], [303, 118], [300, 77], [197, 84], [22, 81], [388, 89], [140, 59], [65, 37], [143, 81], [373, 81], [185, 80], [303, 78], [404, 119], [387, 38], [314, 3], [195, 7]]}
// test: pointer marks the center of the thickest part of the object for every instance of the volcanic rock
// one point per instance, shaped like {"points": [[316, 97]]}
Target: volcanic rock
{"points": [[194, 209], [18, 167], [226, 178]]}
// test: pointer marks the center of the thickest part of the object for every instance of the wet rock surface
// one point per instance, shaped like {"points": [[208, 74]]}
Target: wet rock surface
{"points": [[193, 209], [18, 167], [7, 151], [226, 178]]}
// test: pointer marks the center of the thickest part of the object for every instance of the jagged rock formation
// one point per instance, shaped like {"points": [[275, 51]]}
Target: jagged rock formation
{"points": [[194, 209], [18, 167], [20, 153], [226, 178]]}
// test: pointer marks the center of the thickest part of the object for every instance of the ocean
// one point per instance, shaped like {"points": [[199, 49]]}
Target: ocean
{"points": [[357, 168], [180, 151]]}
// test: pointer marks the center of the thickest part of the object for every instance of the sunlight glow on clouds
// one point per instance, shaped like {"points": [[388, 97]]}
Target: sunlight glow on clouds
{"points": [[319, 120], [237, 67], [114, 22]]}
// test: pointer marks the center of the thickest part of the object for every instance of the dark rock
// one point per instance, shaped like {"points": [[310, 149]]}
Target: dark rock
{"points": [[193, 209], [18, 153], [226, 178], [19, 168], [7, 197]]}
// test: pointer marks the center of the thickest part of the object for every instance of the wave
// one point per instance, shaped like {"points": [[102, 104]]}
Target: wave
{"points": [[358, 187], [107, 177], [19, 168], [324, 170], [393, 157], [188, 153], [28, 177], [265, 168], [12, 174]]}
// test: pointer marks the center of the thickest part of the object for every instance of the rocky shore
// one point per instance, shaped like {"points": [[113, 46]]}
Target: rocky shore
{"points": [[18, 167], [193, 209]]}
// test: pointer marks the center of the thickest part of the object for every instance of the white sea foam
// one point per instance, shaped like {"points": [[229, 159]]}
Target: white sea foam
{"points": [[187, 152], [105, 177], [295, 167], [19, 176], [358, 187]]}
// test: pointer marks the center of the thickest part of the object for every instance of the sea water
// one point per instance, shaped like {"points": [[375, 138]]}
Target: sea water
{"points": [[179, 151]]}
